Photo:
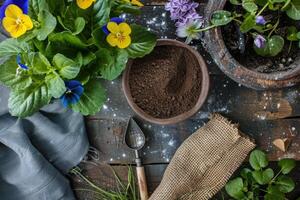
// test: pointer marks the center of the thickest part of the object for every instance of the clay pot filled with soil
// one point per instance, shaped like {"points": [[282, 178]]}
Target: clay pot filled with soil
{"points": [[244, 65], [167, 86]]}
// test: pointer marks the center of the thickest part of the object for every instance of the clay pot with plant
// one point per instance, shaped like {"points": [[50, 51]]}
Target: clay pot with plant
{"points": [[254, 42], [259, 46]]}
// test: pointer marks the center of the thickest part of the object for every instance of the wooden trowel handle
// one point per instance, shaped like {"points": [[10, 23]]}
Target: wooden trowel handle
{"points": [[142, 183]]}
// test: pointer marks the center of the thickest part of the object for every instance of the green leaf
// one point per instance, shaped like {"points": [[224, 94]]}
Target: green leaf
{"points": [[250, 6], [111, 62], [27, 102], [83, 77], [235, 2], [234, 188], [261, 2], [47, 25], [287, 165], [37, 6], [67, 68], [263, 177], [258, 160], [67, 39], [277, 1], [274, 193], [285, 184], [126, 8], [143, 42], [88, 58], [75, 27], [294, 10], [39, 63], [92, 99], [101, 12], [273, 46], [292, 33], [55, 84], [9, 78], [286, 5], [11, 47], [100, 38], [221, 17], [245, 173], [248, 24], [57, 7], [79, 25]]}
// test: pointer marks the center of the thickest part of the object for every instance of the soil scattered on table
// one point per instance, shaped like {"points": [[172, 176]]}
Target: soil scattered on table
{"points": [[166, 83]]}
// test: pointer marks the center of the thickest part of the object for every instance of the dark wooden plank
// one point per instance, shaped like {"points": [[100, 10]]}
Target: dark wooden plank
{"points": [[245, 106], [102, 176]]}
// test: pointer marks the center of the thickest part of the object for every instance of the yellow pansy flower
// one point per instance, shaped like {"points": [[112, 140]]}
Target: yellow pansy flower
{"points": [[135, 2], [119, 34], [84, 4], [15, 22]]}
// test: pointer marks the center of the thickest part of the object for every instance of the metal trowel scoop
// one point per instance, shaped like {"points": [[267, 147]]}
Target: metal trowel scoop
{"points": [[135, 139]]}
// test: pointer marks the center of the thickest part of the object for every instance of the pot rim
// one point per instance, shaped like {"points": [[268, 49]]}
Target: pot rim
{"points": [[179, 118], [238, 72]]}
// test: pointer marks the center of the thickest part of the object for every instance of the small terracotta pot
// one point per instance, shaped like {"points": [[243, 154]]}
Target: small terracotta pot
{"points": [[239, 73], [183, 116]]}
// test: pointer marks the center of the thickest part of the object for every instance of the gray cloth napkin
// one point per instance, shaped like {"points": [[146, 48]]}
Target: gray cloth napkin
{"points": [[35, 152]]}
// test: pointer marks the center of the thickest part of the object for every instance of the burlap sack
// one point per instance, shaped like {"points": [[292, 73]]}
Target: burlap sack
{"points": [[204, 162]]}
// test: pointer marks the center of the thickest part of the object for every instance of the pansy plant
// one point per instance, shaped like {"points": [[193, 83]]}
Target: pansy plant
{"points": [[60, 50]]}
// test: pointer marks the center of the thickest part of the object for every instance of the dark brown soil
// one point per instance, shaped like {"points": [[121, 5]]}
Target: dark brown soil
{"points": [[166, 83], [282, 62]]}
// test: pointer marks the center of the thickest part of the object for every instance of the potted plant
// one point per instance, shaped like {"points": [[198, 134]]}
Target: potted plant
{"points": [[255, 42], [261, 182], [60, 50]]}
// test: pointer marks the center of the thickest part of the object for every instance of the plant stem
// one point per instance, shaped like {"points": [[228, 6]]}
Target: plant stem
{"points": [[263, 190], [263, 9], [268, 29], [290, 46], [240, 22], [274, 28], [275, 177], [90, 183], [206, 29]]}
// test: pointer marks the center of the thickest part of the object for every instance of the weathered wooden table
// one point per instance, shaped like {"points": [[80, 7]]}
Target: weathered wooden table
{"points": [[263, 115]]}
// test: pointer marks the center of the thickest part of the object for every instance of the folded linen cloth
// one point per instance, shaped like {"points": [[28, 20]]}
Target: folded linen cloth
{"points": [[204, 162], [37, 151]]}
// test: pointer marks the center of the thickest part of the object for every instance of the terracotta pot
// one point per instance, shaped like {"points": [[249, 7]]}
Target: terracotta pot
{"points": [[183, 116], [232, 68]]}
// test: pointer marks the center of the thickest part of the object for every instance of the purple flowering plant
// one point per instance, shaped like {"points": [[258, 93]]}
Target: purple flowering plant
{"points": [[254, 19]]}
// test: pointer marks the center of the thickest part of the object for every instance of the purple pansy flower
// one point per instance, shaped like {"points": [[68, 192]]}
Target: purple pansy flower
{"points": [[180, 8], [117, 20], [260, 41], [20, 64], [23, 4], [260, 20], [73, 93]]}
